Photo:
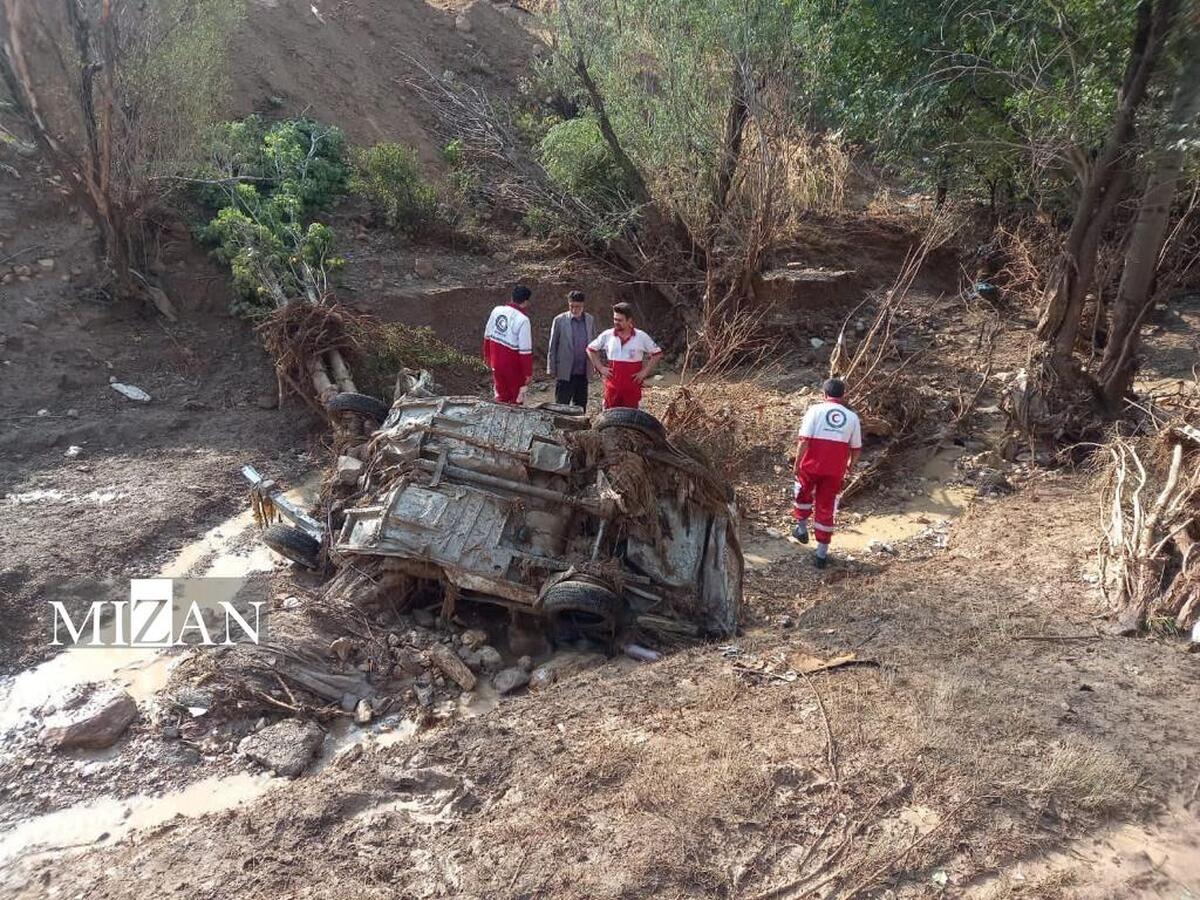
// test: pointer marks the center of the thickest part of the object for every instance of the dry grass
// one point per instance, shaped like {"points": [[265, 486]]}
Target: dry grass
{"points": [[817, 171], [1087, 778]]}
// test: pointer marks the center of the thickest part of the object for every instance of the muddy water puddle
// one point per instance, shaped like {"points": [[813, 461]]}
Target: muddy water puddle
{"points": [[935, 501], [228, 550]]}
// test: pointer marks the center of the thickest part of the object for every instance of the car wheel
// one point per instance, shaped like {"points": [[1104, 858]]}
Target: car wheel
{"points": [[633, 419], [294, 544], [359, 405], [581, 604]]}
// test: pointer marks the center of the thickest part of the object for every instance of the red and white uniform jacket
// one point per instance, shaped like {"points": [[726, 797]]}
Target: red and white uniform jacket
{"points": [[626, 354], [832, 431], [508, 344]]}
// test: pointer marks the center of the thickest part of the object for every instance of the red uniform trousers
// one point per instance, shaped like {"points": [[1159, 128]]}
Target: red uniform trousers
{"points": [[620, 388], [510, 370], [816, 495]]}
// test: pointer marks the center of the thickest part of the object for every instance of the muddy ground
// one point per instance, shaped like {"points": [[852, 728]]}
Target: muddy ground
{"points": [[990, 740]]}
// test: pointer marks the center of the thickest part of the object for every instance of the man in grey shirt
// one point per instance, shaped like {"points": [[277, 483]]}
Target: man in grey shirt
{"points": [[566, 357]]}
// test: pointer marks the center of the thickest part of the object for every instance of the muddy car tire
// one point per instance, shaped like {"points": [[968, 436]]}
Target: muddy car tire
{"points": [[582, 604], [633, 419], [294, 544], [359, 405]]}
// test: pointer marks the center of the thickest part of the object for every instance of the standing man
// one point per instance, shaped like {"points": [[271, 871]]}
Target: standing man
{"points": [[567, 357], [830, 444], [631, 354], [508, 347]]}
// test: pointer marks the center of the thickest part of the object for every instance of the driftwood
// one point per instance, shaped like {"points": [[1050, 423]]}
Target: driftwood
{"points": [[1149, 563], [454, 668]]}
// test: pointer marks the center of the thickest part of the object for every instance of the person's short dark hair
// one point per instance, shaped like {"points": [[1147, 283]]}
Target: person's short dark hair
{"points": [[835, 388], [575, 297], [624, 309], [521, 294]]}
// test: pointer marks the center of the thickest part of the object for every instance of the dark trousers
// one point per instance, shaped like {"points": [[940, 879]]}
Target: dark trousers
{"points": [[572, 392]]}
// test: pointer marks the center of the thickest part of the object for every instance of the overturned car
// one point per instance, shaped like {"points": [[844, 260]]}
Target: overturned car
{"points": [[599, 526]]}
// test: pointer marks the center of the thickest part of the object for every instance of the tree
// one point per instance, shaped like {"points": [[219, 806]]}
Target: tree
{"points": [[1135, 295], [117, 94]]}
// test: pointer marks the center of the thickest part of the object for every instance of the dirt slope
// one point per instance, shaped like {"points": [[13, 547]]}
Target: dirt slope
{"points": [[348, 61]]}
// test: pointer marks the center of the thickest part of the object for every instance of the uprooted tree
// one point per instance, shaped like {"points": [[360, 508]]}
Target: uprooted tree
{"points": [[116, 95]]}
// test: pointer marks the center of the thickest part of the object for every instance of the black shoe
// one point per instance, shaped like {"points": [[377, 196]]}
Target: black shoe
{"points": [[820, 561], [800, 533]]}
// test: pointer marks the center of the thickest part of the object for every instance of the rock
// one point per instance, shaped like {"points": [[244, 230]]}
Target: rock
{"points": [[786, 621], [349, 701], [446, 660], [424, 268], [73, 452], [541, 678], [286, 747], [22, 271], [348, 470], [878, 546], [816, 343], [490, 659], [291, 603], [364, 712], [408, 663], [501, 256], [8, 278], [170, 732], [471, 658], [462, 23], [95, 724], [46, 265], [72, 413], [474, 638], [511, 679], [343, 648], [526, 663], [42, 413], [424, 694]]}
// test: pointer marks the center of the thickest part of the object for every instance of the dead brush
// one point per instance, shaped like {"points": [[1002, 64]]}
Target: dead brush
{"points": [[876, 372], [1150, 530]]}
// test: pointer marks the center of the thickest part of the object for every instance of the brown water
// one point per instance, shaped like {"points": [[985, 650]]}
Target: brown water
{"points": [[228, 550]]}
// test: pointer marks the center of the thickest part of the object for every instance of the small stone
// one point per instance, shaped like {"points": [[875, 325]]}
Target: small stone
{"points": [[46, 265], [72, 413], [348, 470], [541, 678], [424, 268], [490, 659], [23, 271], [349, 702], [501, 256], [816, 343], [170, 732], [42, 413], [526, 663], [286, 747], [364, 712], [786, 622], [511, 679], [73, 452], [95, 724], [462, 23], [8, 278], [291, 602], [474, 638]]}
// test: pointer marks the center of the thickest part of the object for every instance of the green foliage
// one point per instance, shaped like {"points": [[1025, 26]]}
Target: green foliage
{"points": [[990, 92], [389, 176], [576, 157], [267, 182], [667, 72]]}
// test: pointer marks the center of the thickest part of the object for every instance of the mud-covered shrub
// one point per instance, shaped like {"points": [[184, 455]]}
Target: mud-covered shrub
{"points": [[389, 177]]}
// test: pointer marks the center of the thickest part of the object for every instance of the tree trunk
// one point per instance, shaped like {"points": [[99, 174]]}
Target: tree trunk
{"points": [[1102, 188], [1136, 293]]}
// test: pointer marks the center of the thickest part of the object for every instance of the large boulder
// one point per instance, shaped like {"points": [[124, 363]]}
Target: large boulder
{"points": [[94, 724], [286, 747]]}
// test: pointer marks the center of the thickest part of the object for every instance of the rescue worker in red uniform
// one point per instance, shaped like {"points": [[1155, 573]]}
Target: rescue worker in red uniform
{"points": [[508, 347], [631, 356], [830, 444]]}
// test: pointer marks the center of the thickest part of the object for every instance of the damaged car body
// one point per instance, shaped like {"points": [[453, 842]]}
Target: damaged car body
{"points": [[599, 526]]}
